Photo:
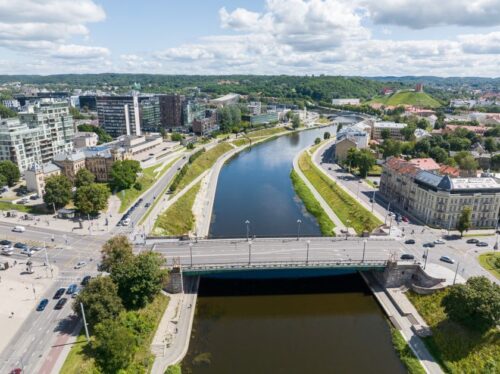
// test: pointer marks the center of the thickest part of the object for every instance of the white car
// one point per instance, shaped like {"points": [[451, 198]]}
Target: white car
{"points": [[26, 251], [7, 251], [19, 229], [439, 241], [80, 264]]}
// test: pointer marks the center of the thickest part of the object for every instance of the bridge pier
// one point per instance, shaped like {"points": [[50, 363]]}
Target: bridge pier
{"points": [[175, 281]]}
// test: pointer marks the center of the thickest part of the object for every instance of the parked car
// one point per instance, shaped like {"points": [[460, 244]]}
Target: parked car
{"points": [[20, 245], [41, 306], [7, 251], [405, 219], [34, 197], [36, 249], [410, 241], [407, 256], [147, 205], [85, 280], [472, 241], [125, 222], [482, 244], [59, 293], [80, 264], [27, 251], [447, 259], [60, 304], [429, 245], [19, 229], [5, 243], [71, 289], [439, 241], [75, 294]]}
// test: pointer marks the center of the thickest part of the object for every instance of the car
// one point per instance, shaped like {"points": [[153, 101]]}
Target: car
{"points": [[75, 294], [19, 229], [482, 244], [405, 219], [439, 241], [125, 222], [410, 241], [360, 181], [429, 245], [5, 243], [59, 293], [20, 245], [329, 168], [85, 280], [36, 249], [34, 197], [41, 306], [447, 259], [80, 264], [16, 371], [27, 251], [7, 251], [71, 289], [407, 256], [472, 241], [147, 205], [60, 304]]}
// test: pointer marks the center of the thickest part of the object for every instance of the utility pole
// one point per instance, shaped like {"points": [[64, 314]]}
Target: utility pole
{"points": [[307, 254], [249, 252], [85, 323], [364, 249], [456, 272], [298, 229], [247, 222], [191, 253]]}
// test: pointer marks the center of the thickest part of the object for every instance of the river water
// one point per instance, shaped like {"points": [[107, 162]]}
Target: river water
{"points": [[298, 325]]}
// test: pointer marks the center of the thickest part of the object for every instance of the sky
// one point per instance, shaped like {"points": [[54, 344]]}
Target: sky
{"points": [[296, 37]]}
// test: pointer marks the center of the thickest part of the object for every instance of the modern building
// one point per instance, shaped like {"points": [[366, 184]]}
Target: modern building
{"points": [[345, 101], [85, 139], [265, 118], [12, 104], [393, 128], [88, 102], [438, 200], [228, 99], [172, 111], [206, 124], [254, 107], [419, 87], [149, 112]]}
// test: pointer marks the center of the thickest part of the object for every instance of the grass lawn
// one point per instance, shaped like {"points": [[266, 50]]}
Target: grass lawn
{"points": [[344, 206], [174, 369], [375, 171], [178, 219], [80, 360], [370, 183], [486, 261], [240, 142], [420, 99], [202, 163], [312, 205], [36, 209], [147, 179], [457, 348], [405, 353]]}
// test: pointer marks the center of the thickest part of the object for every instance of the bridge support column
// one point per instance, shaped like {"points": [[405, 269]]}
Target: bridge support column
{"points": [[175, 281]]}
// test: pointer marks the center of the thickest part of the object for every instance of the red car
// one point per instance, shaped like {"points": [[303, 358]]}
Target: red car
{"points": [[405, 219], [16, 371]]}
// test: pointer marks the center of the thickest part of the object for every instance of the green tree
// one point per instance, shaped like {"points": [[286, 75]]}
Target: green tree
{"points": [[438, 154], [104, 137], [295, 121], [326, 135], [57, 191], [362, 159], [385, 134], [114, 345], [317, 140], [408, 132], [475, 304], [391, 147], [84, 177], [6, 112], [176, 137], [92, 198], [10, 172], [124, 173], [465, 221], [466, 161], [490, 144], [3, 180], [75, 113], [141, 279], [100, 300], [495, 162], [116, 251]]}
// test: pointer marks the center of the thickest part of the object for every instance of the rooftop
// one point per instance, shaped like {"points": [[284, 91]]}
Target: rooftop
{"points": [[425, 163], [390, 125]]}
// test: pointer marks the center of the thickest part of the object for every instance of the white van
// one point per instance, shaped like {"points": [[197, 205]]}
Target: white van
{"points": [[126, 222], [19, 229]]}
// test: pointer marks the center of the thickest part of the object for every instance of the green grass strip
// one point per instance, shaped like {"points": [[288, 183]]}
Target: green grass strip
{"points": [[405, 353], [178, 219], [346, 208], [487, 261], [312, 205]]}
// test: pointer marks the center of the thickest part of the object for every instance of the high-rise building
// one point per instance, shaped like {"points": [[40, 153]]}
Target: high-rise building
{"points": [[171, 110], [149, 112]]}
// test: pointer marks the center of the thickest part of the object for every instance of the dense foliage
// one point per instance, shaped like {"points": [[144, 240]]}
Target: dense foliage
{"points": [[10, 173], [124, 174], [57, 191], [6, 112], [92, 198], [104, 137], [84, 177]]}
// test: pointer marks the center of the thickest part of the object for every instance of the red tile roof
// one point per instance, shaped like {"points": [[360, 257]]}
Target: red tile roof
{"points": [[449, 170], [425, 163]]}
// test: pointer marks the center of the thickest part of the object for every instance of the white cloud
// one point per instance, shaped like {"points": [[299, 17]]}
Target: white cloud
{"points": [[73, 51], [481, 43]]}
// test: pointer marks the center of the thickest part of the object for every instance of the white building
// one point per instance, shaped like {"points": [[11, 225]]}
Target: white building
{"points": [[255, 108], [85, 139], [228, 99], [345, 101], [393, 128], [12, 104]]}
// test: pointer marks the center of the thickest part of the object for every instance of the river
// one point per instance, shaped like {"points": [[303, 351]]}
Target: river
{"points": [[297, 325]]}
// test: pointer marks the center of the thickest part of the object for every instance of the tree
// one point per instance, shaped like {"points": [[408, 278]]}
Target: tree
{"points": [[104, 137], [326, 135], [495, 162], [176, 137], [3, 180], [92, 198], [438, 154], [466, 161], [141, 279], [84, 177], [362, 159], [114, 345], [295, 121], [57, 191], [475, 304], [465, 221], [385, 134], [100, 300], [6, 112], [408, 132], [124, 173], [317, 140], [391, 147], [116, 251], [10, 172], [490, 144]]}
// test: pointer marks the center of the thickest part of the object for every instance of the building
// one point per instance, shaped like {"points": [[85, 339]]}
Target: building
{"points": [[88, 102], [361, 137], [149, 113], [120, 115], [393, 128], [100, 162], [172, 111], [85, 139], [425, 164], [254, 107], [12, 104], [55, 125], [229, 99], [345, 101], [70, 163], [206, 124], [419, 87], [478, 130], [261, 119], [438, 200], [342, 148], [36, 176]]}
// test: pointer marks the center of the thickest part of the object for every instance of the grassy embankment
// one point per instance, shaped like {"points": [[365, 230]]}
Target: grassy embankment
{"points": [[81, 361], [30, 209], [406, 355], [457, 348], [347, 209], [419, 99], [178, 219], [487, 261], [174, 369], [257, 135], [147, 179], [312, 205]]}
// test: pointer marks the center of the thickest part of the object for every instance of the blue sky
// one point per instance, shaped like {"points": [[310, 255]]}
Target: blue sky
{"points": [[340, 37]]}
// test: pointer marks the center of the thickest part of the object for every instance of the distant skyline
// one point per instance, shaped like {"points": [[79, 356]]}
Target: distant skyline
{"points": [[333, 37]]}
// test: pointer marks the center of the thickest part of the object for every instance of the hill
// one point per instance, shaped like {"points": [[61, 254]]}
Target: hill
{"points": [[419, 99]]}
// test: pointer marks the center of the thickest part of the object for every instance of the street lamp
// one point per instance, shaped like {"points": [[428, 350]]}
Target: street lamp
{"points": [[247, 222], [373, 199], [249, 252], [426, 254], [298, 228], [191, 253], [307, 254], [456, 271], [364, 249]]}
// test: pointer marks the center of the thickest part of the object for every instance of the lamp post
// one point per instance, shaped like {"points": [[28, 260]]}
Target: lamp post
{"points": [[249, 252], [347, 228], [247, 222], [307, 253], [426, 254], [373, 198], [364, 249], [191, 253], [298, 228], [456, 271]]}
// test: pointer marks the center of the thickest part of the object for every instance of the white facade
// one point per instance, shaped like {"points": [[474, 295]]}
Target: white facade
{"points": [[19, 143], [393, 128], [255, 108], [345, 101]]}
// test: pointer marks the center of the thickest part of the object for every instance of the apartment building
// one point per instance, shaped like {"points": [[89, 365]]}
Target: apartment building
{"points": [[438, 200], [394, 130], [19, 143], [171, 109]]}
